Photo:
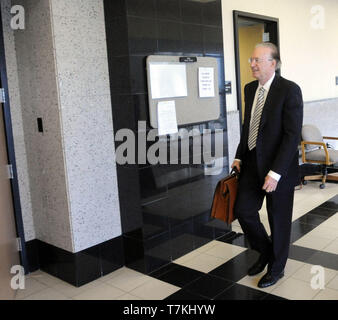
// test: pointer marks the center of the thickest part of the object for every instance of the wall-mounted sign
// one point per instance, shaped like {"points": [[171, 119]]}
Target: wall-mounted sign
{"points": [[266, 36], [166, 117], [168, 80], [206, 82], [193, 86], [227, 87], [188, 59]]}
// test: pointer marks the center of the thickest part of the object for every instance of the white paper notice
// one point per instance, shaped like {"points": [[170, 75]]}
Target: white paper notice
{"points": [[166, 117], [168, 80], [206, 82]]}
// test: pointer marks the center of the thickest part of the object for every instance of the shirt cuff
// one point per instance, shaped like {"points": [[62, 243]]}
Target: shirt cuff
{"points": [[274, 175], [238, 160]]}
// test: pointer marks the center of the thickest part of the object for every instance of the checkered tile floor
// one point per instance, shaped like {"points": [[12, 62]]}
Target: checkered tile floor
{"points": [[218, 270]]}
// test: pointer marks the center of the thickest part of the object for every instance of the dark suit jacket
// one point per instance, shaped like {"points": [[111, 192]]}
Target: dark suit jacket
{"points": [[279, 131]]}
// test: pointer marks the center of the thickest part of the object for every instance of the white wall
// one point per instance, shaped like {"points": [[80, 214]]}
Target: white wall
{"points": [[309, 55], [324, 115]]}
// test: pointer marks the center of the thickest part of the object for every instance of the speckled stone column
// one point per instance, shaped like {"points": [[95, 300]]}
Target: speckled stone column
{"points": [[63, 79]]}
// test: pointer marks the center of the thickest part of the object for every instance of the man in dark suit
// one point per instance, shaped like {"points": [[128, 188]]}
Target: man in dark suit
{"points": [[267, 158]]}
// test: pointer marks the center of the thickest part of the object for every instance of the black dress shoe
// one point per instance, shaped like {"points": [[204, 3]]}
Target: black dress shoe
{"points": [[269, 280], [258, 266]]}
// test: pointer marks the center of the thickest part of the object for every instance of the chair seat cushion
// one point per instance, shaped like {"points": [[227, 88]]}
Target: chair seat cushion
{"points": [[319, 155]]}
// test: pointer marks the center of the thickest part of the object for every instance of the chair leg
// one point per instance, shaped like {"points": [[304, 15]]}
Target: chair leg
{"points": [[324, 171]]}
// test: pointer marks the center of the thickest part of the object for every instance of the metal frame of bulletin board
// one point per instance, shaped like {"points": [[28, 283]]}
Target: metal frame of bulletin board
{"points": [[191, 82]]}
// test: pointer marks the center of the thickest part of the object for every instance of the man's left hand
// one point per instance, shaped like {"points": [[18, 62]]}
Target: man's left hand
{"points": [[270, 184]]}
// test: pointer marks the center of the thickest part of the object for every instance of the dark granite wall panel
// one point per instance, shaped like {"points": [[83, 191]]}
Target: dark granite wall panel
{"points": [[165, 208], [77, 268]]}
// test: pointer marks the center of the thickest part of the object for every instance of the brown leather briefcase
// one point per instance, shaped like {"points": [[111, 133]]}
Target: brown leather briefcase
{"points": [[224, 198]]}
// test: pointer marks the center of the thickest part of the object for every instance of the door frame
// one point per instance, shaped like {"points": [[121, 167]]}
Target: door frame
{"points": [[260, 18], [11, 152]]}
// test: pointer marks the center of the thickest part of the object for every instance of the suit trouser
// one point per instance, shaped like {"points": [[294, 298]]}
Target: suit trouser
{"points": [[279, 206]]}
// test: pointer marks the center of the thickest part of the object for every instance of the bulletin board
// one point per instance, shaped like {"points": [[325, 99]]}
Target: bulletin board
{"points": [[196, 100]]}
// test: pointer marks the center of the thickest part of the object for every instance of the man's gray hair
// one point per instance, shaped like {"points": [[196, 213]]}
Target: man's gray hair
{"points": [[274, 52]]}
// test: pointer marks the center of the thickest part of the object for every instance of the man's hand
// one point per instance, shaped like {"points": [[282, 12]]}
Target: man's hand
{"points": [[236, 164], [270, 184]]}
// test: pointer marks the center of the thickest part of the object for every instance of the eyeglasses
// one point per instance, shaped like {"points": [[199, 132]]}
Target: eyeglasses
{"points": [[257, 60]]}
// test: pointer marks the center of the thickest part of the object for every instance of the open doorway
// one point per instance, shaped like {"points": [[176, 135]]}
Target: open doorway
{"points": [[249, 30]]}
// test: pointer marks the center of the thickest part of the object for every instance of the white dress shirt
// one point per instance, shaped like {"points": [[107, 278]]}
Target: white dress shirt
{"points": [[266, 87]]}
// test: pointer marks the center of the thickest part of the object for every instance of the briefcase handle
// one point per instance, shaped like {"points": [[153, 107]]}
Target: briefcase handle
{"points": [[235, 171]]}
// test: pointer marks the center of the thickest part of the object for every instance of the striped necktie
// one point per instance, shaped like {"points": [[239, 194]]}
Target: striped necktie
{"points": [[256, 118]]}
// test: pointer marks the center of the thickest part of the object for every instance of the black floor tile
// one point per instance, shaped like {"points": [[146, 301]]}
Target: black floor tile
{"points": [[240, 292], [208, 286], [312, 256], [331, 203], [184, 295], [180, 276], [295, 236], [230, 235], [300, 229], [311, 219], [169, 267], [300, 253], [324, 259], [323, 212], [273, 297], [237, 239], [236, 268]]}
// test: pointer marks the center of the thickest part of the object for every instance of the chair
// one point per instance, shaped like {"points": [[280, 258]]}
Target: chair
{"points": [[315, 150]]}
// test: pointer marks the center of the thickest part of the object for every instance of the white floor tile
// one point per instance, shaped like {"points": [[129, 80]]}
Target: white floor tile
{"points": [[237, 229], [313, 242], [32, 286], [267, 227], [128, 280], [187, 257], [70, 291], [327, 294], [305, 274], [333, 284], [204, 262], [154, 290], [224, 250], [128, 296], [45, 278], [207, 246], [292, 266], [47, 294], [331, 222], [324, 232], [235, 223], [115, 273], [332, 247], [295, 289], [101, 292]]}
